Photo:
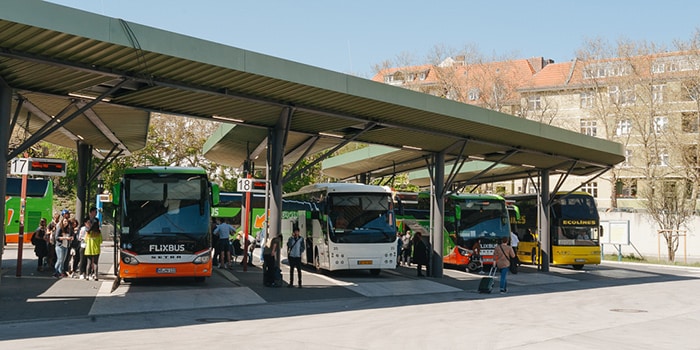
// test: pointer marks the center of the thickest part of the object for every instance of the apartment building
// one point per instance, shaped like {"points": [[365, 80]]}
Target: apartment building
{"points": [[648, 103]]}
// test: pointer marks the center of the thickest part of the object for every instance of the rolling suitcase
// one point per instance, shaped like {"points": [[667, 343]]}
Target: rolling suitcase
{"points": [[486, 283]]}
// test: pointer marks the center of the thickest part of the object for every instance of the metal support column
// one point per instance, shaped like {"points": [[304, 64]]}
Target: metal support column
{"points": [[5, 107], [545, 232], [438, 217], [84, 156], [276, 141]]}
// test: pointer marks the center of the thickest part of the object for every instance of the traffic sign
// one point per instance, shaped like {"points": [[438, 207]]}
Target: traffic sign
{"points": [[38, 166]]}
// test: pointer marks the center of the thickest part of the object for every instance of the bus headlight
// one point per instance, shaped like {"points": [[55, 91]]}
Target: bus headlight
{"points": [[203, 258], [463, 251], [129, 259]]}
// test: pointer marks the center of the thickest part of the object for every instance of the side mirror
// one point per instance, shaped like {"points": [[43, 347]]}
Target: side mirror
{"points": [[215, 194], [116, 193]]}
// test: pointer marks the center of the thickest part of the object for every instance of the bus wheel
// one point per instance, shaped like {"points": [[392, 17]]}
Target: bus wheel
{"points": [[375, 272], [534, 256], [578, 266]]}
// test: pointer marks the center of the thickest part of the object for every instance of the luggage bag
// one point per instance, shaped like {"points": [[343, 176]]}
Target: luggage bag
{"points": [[486, 283]]}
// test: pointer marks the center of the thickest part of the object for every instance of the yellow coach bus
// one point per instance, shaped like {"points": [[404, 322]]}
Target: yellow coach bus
{"points": [[574, 229]]}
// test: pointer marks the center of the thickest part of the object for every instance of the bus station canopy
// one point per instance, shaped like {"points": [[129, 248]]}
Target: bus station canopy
{"points": [[384, 162], [103, 77]]}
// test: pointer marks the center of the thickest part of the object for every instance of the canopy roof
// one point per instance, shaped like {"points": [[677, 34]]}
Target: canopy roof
{"points": [[57, 58]]}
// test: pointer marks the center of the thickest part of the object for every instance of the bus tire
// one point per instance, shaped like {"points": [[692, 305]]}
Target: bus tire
{"points": [[375, 272], [578, 266]]}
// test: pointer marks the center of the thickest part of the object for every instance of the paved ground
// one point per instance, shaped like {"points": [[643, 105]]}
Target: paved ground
{"points": [[611, 305]]}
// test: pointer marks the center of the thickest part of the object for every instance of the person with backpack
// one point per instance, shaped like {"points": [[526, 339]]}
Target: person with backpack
{"points": [[502, 255], [295, 247], [40, 245]]}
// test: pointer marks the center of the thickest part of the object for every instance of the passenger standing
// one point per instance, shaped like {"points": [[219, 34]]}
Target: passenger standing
{"points": [[399, 248], [237, 248], [251, 249], [406, 248], [295, 247], [476, 256], [420, 253], [223, 230], [270, 250], [502, 254], [53, 225], [83, 244], [93, 241], [514, 241], [73, 260], [62, 237], [40, 244]]}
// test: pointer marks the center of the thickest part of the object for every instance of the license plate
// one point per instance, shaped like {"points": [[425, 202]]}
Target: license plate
{"points": [[165, 270], [487, 260], [580, 260], [364, 262]]}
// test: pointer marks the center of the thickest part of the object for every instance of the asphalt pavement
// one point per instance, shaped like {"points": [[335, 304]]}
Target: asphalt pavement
{"points": [[625, 306]]}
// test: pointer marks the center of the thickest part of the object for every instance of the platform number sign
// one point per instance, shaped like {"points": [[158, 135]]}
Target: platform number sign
{"points": [[38, 166], [251, 185]]}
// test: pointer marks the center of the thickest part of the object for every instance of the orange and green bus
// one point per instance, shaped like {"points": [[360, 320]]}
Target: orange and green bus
{"points": [[163, 223], [38, 205], [574, 229], [472, 222]]}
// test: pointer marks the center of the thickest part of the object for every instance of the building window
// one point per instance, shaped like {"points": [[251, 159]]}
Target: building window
{"points": [[690, 121], [624, 127], [660, 124], [692, 91], [587, 99], [452, 94], [473, 94], [628, 97], [690, 156], [628, 159], [589, 127], [614, 94], [534, 103], [591, 188], [607, 69], [657, 93], [626, 188], [422, 75], [660, 158]]}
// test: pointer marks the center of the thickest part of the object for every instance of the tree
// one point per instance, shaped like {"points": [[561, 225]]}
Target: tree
{"points": [[639, 102], [178, 141]]}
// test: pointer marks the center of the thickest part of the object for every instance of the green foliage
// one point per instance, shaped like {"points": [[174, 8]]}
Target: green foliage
{"points": [[307, 177], [64, 186]]}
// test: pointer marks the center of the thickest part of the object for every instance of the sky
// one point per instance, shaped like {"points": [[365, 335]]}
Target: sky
{"points": [[353, 36]]}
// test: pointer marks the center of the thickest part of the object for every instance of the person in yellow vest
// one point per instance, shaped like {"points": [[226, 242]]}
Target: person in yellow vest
{"points": [[93, 240]]}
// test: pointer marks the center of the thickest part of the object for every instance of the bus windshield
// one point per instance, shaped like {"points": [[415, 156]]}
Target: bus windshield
{"points": [[482, 218], [166, 205], [361, 218], [576, 220]]}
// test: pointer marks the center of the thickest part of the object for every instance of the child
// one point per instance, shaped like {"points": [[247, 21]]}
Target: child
{"points": [[93, 240]]}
